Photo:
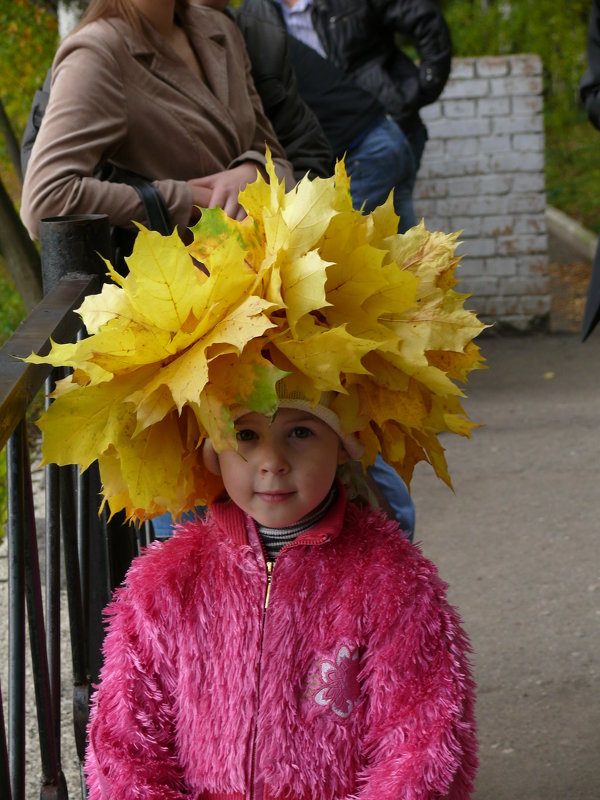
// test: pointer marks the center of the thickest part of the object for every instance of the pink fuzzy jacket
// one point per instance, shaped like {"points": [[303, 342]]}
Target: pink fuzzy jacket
{"points": [[353, 683]]}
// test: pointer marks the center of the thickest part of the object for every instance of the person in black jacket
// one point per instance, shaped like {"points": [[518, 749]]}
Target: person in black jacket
{"points": [[365, 92], [590, 94], [297, 128], [377, 154], [360, 38]]}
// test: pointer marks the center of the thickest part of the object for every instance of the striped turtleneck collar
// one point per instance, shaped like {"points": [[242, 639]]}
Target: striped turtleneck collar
{"points": [[274, 539]]}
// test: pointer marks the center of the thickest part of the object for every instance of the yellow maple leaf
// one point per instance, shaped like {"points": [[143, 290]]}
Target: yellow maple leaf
{"points": [[381, 405], [73, 355], [303, 286], [457, 364], [307, 210], [162, 282], [215, 227], [261, 198], [111, 303], [187, 375], [98, 415], [325, 355], [383, 223], [247, 379], [216, 419]]}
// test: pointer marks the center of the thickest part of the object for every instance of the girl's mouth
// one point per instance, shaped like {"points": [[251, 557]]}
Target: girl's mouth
{"points": [[274, 496]]}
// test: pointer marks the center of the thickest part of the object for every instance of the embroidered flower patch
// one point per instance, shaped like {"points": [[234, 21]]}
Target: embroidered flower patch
{"points": [[336, 682]]}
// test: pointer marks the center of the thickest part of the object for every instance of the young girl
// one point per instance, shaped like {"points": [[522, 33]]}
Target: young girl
{"points": [[291, 645]]}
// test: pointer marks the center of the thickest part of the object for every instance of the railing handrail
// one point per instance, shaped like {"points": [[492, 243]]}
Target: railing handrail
{"points": [[52, 318]]}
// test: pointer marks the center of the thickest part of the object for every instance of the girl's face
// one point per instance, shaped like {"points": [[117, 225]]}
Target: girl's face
{"points": [[283, 468]]}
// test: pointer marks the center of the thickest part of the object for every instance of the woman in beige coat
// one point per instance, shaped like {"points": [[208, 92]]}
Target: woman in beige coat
{"points": [[160, 88]]}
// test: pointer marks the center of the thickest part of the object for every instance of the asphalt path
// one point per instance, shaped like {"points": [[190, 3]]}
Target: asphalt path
{"points": [[519, 544]]}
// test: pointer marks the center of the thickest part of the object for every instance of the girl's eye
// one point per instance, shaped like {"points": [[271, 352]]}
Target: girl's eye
{"points": [[245, 435], [300, 432]]}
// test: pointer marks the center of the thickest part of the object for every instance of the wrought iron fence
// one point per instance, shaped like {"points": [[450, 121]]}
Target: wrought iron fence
{"points": [[96, 552]]}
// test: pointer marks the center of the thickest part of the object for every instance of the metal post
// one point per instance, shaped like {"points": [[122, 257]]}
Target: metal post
{"points": [[53, 782], [16, 614], [73, 244], [5, 790], [52, 499]]}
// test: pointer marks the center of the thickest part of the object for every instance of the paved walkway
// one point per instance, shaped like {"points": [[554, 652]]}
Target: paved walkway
{"points": [[519, 543]]}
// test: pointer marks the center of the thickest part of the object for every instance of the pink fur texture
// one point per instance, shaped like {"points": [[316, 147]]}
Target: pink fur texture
{"points": [[354, 684]]}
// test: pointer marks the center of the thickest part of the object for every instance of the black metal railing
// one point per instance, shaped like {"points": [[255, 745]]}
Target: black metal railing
{"points": [[19, 385], [96, 551]]}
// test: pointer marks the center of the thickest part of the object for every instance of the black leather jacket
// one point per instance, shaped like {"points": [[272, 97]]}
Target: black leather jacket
{"points": [[360, 37], [296, 126]]}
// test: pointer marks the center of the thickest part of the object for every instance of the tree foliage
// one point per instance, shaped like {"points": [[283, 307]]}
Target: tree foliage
{"points": [[555, 31], [26, 49], [27, 45]]}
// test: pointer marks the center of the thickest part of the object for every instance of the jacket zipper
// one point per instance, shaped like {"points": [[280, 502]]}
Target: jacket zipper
{"points": [[269, 566]]}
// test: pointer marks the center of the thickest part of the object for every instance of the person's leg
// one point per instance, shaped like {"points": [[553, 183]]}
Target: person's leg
{"points": [[380, 162], [394, 488], [417, 138], [163, 525]]}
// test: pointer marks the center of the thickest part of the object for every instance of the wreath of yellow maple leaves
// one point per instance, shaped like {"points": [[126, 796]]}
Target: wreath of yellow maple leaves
{"points": [[305, 290]]}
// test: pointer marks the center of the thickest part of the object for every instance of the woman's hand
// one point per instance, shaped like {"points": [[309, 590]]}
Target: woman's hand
{"points": [[200, 199], [222, 188]]}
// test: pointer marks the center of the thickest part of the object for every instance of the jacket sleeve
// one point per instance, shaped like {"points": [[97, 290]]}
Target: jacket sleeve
{"points": [[423, 22], [420, 724], [590, 84], [131, 734], [264, 133], [295, 125]]}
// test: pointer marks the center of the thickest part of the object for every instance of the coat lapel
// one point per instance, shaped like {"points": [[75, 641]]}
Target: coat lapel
{"points": [[210, 50], [163, 62]]}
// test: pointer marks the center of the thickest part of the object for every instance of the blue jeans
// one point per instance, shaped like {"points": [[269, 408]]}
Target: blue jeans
{"points": [[384, 160], [163, 525], [396, 493]]}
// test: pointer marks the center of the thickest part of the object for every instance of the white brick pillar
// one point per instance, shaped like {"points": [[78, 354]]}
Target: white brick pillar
{"points": [[483, 173]]}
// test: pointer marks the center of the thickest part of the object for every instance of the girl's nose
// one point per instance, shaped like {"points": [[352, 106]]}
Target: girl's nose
{"points": [[273, 460]]}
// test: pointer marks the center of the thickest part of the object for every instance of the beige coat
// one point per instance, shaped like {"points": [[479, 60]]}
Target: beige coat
{"points": [[126, 98]]}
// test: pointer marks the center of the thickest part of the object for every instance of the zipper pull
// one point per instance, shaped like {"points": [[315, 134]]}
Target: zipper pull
{"points": [[270, 565]]}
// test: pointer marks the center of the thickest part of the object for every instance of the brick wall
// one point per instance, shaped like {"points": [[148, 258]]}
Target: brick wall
{"points": [[483, 173]]}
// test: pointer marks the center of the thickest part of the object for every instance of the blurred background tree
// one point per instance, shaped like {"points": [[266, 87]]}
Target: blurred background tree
{"points": [[28, 41], [29, 36], [555, 31]]}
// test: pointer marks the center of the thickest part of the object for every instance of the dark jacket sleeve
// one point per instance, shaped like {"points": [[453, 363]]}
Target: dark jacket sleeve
{"points": [[423, 22], [295, 125], [590, 84]]}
